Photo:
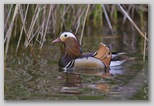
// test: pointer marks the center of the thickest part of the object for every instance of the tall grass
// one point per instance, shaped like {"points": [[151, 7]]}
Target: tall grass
{"points": [[31, 24]]}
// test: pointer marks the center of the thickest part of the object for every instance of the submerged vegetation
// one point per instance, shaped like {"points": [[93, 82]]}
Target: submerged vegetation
{"points": [[31, 24]]}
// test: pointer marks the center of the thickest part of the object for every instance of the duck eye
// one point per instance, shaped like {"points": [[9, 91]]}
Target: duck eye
{"points": [[65, 35]]}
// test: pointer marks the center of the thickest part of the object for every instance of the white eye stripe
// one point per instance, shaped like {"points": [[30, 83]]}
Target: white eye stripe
{"points": [[65, 35]]}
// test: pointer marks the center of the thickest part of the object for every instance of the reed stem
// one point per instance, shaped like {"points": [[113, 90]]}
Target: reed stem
{"points": [[8, 16], [108, 20], [8, 34], [83, 26], [26, 35], [125, 13], [124, 19], [35, 16], [21, 32], [144, 52], [46, 27]]}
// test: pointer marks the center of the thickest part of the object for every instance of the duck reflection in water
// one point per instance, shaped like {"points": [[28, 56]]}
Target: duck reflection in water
{"points": [[73, 80]]}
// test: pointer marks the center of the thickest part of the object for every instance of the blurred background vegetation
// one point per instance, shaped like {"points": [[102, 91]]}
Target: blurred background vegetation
{"points": [[30, 25]]}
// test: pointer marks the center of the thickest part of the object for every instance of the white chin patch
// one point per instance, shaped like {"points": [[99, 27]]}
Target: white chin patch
{"points": [[89, 63]]}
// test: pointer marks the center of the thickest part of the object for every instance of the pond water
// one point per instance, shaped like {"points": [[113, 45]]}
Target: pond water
{"points": [[43, 80]]}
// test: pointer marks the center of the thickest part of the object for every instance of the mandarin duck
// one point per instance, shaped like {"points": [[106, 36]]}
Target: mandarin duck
{"points": [[72, 56]]}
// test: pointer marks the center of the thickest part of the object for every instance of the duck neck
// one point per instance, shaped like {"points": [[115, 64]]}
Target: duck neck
{"points": [[72, 48]]}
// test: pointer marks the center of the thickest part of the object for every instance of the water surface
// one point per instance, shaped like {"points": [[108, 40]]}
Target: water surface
{"points": [[26, 79]]}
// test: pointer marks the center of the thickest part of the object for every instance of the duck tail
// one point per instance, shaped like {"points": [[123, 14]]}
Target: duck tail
{"points": [[104, 54]]}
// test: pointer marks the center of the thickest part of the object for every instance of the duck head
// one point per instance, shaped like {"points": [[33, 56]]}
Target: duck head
{"points": [[71, 48]]}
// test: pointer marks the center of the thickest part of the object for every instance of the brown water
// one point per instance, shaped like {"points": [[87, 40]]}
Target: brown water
{"points": [[43, 80]]}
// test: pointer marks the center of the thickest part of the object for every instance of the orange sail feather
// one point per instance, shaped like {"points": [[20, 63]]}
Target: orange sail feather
{"points": [[104, 54]]}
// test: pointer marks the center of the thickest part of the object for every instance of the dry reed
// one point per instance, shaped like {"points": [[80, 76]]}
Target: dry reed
{"points": [[32, 24], [84, 21], [125, 13]]}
